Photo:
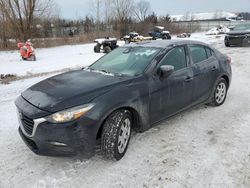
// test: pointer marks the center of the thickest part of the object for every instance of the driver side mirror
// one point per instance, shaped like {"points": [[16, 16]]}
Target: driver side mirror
{"points": [[165, 70]]}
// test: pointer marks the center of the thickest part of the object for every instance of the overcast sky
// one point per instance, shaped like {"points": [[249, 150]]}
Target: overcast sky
{"points": [[79, 8]]}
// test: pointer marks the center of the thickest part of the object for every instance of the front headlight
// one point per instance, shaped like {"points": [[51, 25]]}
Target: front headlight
{"points": [[69, 114]]}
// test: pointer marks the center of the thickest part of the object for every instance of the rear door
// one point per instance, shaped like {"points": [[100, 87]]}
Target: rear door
{"points": [[204, 66]]}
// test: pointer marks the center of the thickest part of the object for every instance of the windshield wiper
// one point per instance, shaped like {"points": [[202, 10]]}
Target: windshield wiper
{"points": [[105, 71], [87, 68], [119, 74]]}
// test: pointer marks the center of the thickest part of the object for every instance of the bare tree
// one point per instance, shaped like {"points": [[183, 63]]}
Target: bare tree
{"points": [[96, 11], [21, 15], [107, 11], [142, 10], [123, 12], [123, 9], [4, 27]]}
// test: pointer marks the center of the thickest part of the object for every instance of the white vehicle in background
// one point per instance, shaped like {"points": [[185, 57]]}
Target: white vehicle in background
{"points": [[220, 29], [135, 37]]}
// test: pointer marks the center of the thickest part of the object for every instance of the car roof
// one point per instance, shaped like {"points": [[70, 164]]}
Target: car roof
{"points": [[165, 43]]}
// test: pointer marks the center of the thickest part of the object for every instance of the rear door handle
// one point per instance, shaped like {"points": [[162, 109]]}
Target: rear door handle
{"points": [[188, 79]]}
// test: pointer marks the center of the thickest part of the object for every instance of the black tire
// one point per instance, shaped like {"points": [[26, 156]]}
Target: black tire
{"points": [[97, 48], [127, 41], [164, 37], [245, 43], [227, 44], [110, 135], [33, 58], [215, 99], [107, 49]]}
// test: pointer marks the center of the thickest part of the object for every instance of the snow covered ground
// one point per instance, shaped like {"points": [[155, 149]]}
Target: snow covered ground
{"points": [[48, 60], [201, 148], [57, 58]]}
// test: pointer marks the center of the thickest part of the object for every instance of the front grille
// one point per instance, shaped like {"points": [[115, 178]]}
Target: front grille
{"points": [[28, 124], [236, 37]]}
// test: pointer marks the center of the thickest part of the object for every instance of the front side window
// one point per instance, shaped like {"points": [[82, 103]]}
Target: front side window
{"points": [[176, 57], [198, 53], [209, 52], [126, 60]]}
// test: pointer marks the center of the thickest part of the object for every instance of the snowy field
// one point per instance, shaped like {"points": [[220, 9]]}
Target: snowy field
{"points": [[205, 147], [54, 59]]}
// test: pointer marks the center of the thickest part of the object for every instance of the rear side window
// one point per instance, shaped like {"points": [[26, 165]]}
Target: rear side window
{"points": [[198, 53], [176, 57]]}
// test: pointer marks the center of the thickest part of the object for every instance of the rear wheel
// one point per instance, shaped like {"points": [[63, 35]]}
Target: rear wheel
{"points": [[164, 37], [220, 93], [245, 42], [116, 134], [33, 58], [107, 49]]}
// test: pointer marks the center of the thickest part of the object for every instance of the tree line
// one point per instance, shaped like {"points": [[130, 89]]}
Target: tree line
{"points": [[24, 19]]}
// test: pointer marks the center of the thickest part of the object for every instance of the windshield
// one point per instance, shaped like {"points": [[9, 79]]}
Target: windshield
{"points": [[242, 27], [126, 60]]}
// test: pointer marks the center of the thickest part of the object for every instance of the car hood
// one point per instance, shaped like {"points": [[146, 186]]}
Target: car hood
{"points": [[238, 32], [71, 89]]}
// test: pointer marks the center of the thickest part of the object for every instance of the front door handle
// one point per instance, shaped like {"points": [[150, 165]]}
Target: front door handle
{"points": [[188, 79]]}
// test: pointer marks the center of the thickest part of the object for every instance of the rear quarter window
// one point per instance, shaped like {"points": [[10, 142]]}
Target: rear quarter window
{"points": [[198, 53], [209, 52]]}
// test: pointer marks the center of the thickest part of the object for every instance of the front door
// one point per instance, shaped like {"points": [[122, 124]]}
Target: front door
{"points": [[172, 94]]}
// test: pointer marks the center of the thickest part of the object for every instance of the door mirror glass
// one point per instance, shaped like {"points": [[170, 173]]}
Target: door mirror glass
{"points": [[165, 70]]}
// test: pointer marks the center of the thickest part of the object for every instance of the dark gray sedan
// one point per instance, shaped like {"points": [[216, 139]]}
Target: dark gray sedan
{"points": [[239, 36], [133, 87]]}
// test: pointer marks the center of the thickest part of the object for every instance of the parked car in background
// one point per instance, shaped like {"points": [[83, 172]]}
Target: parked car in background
{"points": [[238, 36], [134, 87]]}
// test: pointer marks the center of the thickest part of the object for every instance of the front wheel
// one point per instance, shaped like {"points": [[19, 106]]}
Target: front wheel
{"points": [[116, 134], [97, 48], [220, 93]]}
